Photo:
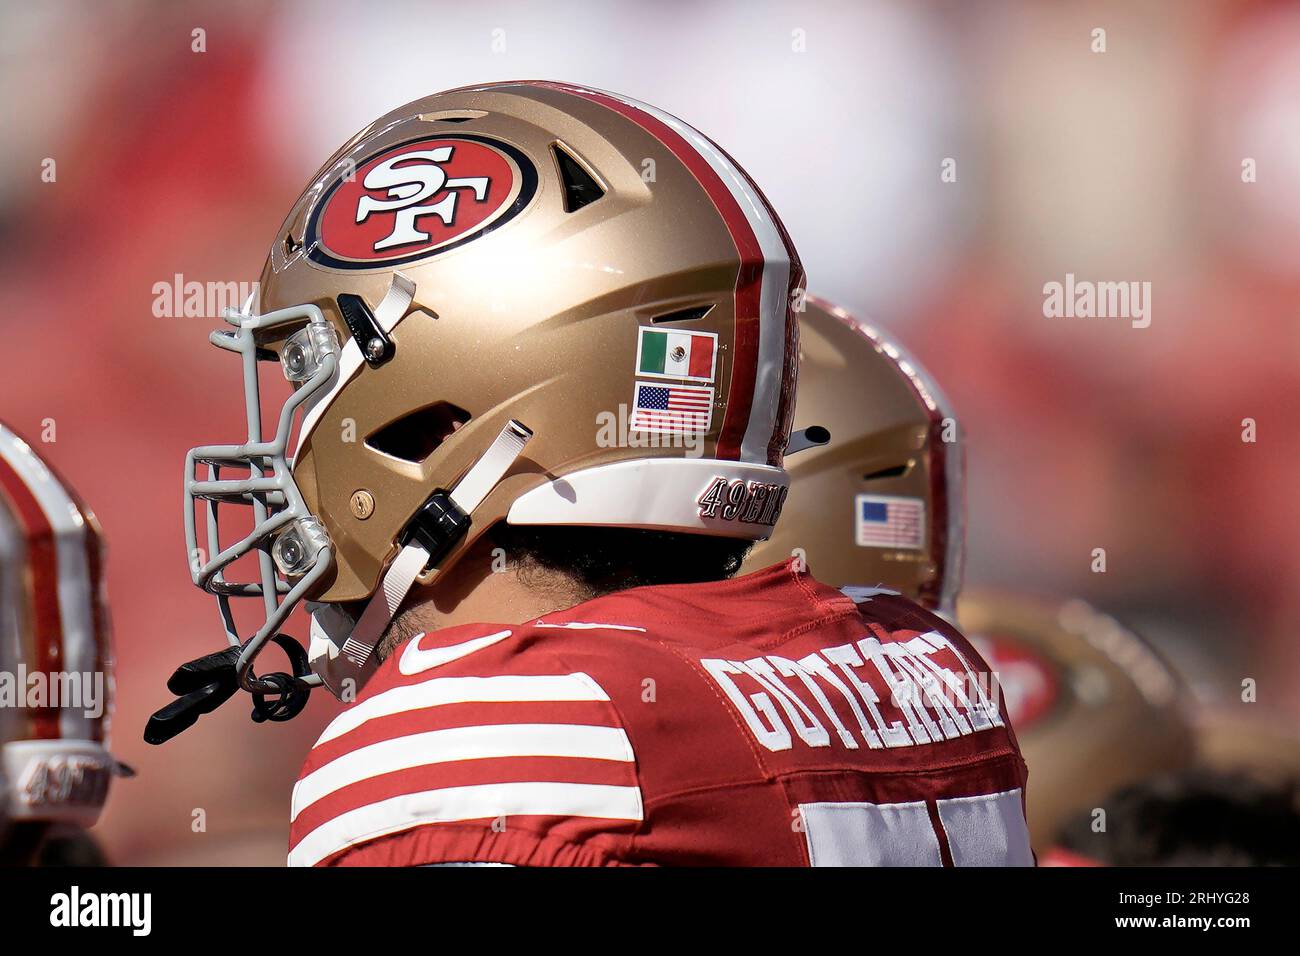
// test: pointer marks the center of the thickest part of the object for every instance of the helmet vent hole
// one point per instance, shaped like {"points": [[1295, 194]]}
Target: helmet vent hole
{"points": [[580, 186], [416, 436], [453, 116], [693, 314], [897, 471], [291, 245]]}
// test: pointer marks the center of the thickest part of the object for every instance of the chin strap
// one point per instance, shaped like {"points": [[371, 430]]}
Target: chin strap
{"points": [[341, 651]]}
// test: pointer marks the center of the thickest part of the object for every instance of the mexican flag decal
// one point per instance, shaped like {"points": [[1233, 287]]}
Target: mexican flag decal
{"points": [[668, 353]]}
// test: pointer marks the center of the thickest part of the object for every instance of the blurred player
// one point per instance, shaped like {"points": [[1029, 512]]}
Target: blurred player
{"points": [[1241, 739], [1238, 806], [533, 377], [55, 666], [1194, 817], [1094, 706], [881, 505]]}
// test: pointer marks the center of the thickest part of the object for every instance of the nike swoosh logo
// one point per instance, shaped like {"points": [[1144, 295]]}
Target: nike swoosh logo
{"points": [[416, 661]]}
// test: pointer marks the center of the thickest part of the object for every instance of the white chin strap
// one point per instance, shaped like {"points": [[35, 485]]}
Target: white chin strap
{"points": [[341, 650]]}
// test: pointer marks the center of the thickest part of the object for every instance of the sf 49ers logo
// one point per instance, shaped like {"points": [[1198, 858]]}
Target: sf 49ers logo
{"points": [[1029, 683], [752, 502], [418, 199]]}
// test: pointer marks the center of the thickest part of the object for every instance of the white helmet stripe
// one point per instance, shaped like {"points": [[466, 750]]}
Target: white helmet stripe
{"points": [[775, 284], [774, 287]]}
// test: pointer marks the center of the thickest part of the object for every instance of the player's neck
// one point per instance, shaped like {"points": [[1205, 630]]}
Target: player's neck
{"points": [[483, 586], [505, 597]]}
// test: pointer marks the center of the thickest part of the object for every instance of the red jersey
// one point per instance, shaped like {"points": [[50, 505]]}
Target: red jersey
{"points": [[764, 720]]}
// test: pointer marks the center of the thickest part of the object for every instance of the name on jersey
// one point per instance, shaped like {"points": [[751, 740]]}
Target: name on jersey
{"points": [[872, 693]]}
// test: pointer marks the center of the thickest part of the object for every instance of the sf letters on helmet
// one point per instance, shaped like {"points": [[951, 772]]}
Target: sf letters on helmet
{"points": [[408, 187], [417, 199]]}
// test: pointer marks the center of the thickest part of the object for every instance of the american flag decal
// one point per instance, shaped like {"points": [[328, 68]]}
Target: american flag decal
{"points": [[886, 521], [678, 409]]}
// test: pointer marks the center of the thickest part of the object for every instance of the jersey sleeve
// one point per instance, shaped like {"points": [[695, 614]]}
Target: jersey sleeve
{"points": [[487, 755]]}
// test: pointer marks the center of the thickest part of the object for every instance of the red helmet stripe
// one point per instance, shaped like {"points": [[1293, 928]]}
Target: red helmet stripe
{"points": [[749, 277], [794, 287]]}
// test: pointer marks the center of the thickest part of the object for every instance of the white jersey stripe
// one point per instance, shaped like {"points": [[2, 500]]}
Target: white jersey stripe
{"points": [[461, 743], [775, 283], [591, 626], [438, 691], [451, 804], [75, 613]]}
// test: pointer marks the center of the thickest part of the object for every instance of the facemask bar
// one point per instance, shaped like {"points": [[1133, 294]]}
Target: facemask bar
{"points": [[279, 512], [295, 550]]}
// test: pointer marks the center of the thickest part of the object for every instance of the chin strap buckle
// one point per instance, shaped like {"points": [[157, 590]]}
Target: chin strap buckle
{"points": [[444, 519], [343, 658], [438, 525]]}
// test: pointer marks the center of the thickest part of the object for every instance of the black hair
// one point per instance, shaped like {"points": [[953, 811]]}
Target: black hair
{"points": [[604, 560], [1194, 818], [68, 845], [21, 841], [593, 561]]}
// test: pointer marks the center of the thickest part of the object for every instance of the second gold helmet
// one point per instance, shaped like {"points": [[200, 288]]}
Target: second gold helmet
{"points": [[881, 504]]}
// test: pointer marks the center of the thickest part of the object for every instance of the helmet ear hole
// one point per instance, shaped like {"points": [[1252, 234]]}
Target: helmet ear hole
{"points": [[417, 435], [894, 471], [693, 314]]}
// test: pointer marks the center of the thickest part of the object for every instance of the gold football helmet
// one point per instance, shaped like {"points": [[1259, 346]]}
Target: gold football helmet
{"points": [[880, 504], [1094, 707], [527, 302]]}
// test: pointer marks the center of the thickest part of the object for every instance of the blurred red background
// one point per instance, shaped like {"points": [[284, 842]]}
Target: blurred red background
{"points": [[1084, 433]]}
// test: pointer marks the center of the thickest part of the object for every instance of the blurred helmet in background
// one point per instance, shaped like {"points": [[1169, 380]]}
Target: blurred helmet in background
{"points": [[1243, 740], [881, 503], [515, 263], [1238, 805], [55, 656], [1093, 706]]}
